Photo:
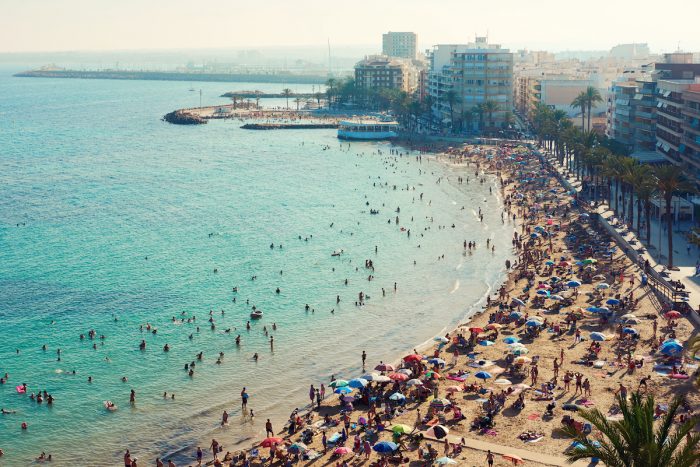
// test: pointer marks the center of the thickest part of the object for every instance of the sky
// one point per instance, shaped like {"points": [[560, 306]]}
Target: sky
{"points": [[555, 25]]}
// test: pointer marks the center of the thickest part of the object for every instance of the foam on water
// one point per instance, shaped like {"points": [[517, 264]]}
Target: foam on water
{"points": [[119, 208]]}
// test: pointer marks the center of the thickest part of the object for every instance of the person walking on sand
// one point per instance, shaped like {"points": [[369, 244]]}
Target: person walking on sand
{"points": [[214, 448], [489, 458], [200, 455], [268, 428], [364, 359], [312, 393]]}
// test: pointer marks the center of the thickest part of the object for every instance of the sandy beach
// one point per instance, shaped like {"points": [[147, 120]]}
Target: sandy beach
{"points": [[573, 326]]}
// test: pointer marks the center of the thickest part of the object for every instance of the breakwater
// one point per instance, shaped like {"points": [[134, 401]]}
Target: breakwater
{"points": [[288, 126], [265, 95], [175, 76], [181, 117]]}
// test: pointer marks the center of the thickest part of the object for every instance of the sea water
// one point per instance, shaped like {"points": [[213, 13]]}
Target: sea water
{"points": [[111, 219]]}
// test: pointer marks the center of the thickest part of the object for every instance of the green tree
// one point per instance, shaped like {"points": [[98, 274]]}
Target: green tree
{"points": [[450, 98], [298, 101], [593, 97], [671, 181], [636, 440], [488, 108]]}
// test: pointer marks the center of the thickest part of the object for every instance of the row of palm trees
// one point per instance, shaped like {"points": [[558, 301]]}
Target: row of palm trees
{"points": [[465, 118], [586, 153], [585, 102]]}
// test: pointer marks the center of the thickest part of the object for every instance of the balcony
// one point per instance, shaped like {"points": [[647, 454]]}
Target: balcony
{"points": [[690, 111]]}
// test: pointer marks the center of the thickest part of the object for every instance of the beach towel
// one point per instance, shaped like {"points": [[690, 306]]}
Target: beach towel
{"points": [[533, 416], [457, 378], [535, 440]]}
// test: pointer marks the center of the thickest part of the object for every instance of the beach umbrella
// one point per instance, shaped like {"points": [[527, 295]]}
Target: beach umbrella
{"points": [[517, 301], [439, 404], [594, 309], [436, 361], [343, 390], [671, 348], [612, 301], [358, 383], [543, 292], [554, 279], [413, 358], [597, 336], [556, 297], [347, 399], [401, 429], [502, 382], [533, 235], [602, 285], [453, 389], [629, 318], [414, 382], [629, 331], [522, 360], [549, 263], [564, 264], [405, 371], [341, 451], [519, 351], [445, 461], [515, 345], [476, 330], [603, 309], [515, 315], [482, 375], [381, 379], [486, 343], [267, 442], [539, 228], [590, 261], [494, 326], [533, 323], [673, 314], [437, 431], [573, 284], [397, 396], [370, 376], [297, 447], [338, 383], [385, 447], [442, 339], [398, 377], [430, 374], [384, 367], [511, 340], [362, 421]]}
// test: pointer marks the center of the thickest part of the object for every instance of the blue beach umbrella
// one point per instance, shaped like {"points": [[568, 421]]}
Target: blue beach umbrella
{"points": [[358, 383], [343, 390], [539, 228], [511, 340], [397, 396], [612, 301], [516, 315], [597, 336], [385, 447], [436, 361], [549, 263], [629, 331], [517, 301], [556, 297], [483, 375], [533, 235], [671, 348], [602, 285], [543, 292], [573, 284], [533, 323], [486, 343]]}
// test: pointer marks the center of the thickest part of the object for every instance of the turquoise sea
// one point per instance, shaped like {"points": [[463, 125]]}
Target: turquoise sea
{"points": [[111, 219]]}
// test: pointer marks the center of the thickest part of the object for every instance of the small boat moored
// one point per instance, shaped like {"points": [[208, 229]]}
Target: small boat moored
{"points": [[257, 314]]}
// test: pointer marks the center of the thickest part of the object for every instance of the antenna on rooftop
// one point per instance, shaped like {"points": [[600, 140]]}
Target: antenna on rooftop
{"points": [[330, 70]]}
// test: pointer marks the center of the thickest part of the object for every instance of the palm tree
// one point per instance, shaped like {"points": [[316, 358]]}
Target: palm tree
{"points": [[693, 347], [613, 170], [580, 102], [286, 92], [489, 107], [330, 90], [468, 118], [451, 97], [671, 181], [298, 101], [592, 97], [318, 97], [634, 441], [637, 176]]}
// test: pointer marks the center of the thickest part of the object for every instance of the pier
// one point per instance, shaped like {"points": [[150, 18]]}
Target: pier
{"points": [[266, 95], [289, 126]]}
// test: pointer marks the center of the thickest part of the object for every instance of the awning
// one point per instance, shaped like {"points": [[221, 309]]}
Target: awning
{"points": [[667, 93], [658, 144], [658, 105], [666, 147]]}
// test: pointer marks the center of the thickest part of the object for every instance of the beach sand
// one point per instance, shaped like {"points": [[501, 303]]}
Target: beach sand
{"points": [[529, 202]]}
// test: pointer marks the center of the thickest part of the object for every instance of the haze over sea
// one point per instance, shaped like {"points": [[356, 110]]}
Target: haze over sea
{"points": [[106, 211]]}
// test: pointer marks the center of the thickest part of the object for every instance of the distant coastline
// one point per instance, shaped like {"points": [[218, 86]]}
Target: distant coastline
{"points": [[173, 76]]}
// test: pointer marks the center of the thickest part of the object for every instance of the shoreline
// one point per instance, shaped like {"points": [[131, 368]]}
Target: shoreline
{"points": [[508, 281]]}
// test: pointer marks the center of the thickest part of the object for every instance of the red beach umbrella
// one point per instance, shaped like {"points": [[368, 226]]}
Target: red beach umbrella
{"points": [[267, 442], [673, 314], [398, 376], [413, 358], [384, 367]]}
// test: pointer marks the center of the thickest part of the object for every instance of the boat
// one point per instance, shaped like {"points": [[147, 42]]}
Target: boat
{"points": [[368, 130], [257, 314]]}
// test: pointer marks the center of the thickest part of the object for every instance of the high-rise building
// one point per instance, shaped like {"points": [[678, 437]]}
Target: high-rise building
{"points": [[381, 71], [630, 51], [473, 82], [690, 142], [399, 44]]}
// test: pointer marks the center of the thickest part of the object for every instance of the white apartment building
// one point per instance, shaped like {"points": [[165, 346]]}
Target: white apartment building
{"points": [[399, 44]]}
